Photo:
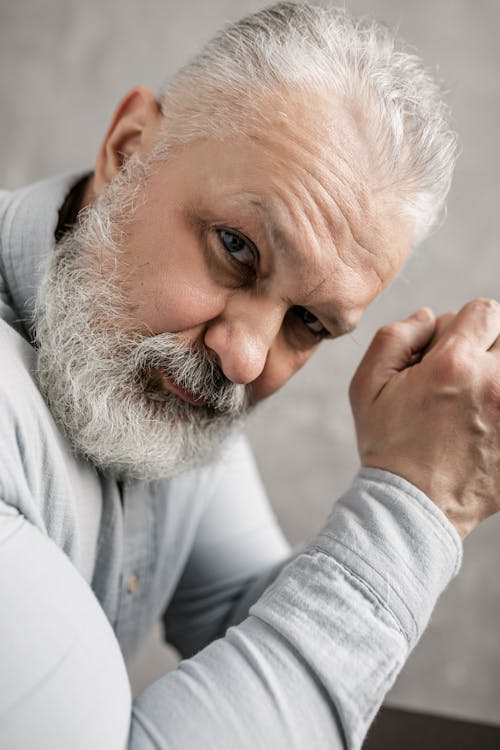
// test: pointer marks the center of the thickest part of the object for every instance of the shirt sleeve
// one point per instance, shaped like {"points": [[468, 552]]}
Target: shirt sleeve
{"points": [[63, 682], [308, 667]]}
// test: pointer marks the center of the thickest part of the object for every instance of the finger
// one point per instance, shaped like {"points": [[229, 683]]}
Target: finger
{"points": [[442, 324], [393, 349], [478, 322]]}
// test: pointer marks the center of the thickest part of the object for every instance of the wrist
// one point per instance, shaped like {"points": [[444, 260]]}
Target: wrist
{"points": [[460, 515]]}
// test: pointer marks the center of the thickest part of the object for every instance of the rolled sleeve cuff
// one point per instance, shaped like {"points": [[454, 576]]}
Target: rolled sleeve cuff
{"points": [[396, 542]]}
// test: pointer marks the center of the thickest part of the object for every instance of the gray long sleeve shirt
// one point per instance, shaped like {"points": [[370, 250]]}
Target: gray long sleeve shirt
{"points": [[87, 566]]}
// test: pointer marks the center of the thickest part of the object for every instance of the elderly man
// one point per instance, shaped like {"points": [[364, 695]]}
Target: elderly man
{"points": [[256, 209]]}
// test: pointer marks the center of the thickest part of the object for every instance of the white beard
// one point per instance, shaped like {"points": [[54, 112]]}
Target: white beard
{"points": [[100, 377]]}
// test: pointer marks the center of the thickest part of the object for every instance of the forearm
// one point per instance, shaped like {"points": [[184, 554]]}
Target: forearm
{"points": [[313, 661]]}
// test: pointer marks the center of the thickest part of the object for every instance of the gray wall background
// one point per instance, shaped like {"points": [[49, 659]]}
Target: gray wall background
{"points": [[64, 66]]}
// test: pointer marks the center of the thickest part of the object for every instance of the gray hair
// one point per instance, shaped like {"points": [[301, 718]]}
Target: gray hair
{"points": [[324, 50]]}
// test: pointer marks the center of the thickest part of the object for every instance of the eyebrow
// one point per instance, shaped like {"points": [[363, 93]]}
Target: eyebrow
{"points": [[281, 241], [283, 244], [341, 326]]}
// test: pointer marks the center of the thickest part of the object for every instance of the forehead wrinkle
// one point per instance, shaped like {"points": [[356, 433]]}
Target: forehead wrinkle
{"points": [[301, 148], [341, 171], [282, 240], [340, 235], [356, 235], [345, 201], [319, 194], [340, 206], [345, 232], [283, 244], [327, 242]]}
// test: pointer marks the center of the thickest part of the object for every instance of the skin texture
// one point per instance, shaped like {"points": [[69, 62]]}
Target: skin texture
{"points": [[320, 237]]}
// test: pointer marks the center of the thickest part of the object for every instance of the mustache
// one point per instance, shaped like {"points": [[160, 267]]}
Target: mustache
{"points": [[194, 369]]}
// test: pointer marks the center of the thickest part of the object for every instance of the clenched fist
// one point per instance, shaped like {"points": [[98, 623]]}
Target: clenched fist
{"points": [[426, 403]]}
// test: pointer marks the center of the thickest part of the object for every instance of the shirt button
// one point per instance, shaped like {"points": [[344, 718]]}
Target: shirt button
{"points": [[132, 584]]}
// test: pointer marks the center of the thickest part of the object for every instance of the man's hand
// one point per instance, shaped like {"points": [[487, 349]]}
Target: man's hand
{"points": [[436, 422]]}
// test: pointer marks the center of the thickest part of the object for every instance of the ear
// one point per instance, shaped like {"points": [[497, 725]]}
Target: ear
{"points": [[133, 129]]}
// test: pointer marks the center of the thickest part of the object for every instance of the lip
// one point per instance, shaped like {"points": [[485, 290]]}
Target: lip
{"points": [[182, 393]]}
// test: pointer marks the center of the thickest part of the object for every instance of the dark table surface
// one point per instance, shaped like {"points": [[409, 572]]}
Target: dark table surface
{"points": [[395, 729]]}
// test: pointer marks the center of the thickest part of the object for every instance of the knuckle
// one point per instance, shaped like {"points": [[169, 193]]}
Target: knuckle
{"points": [[456, 363], [442, 324], [485, 304], [389, 331]]}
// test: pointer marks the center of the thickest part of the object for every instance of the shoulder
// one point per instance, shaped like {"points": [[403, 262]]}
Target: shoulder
{"points": [[23, 421], [17, 382], [20, 399], [39, 473]]}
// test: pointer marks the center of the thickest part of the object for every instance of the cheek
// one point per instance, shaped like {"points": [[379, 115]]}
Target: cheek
{"points": [[179, 300], [281, 364], [168, 286]]}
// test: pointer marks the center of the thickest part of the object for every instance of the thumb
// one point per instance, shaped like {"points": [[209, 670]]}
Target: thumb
{"points": [[394, 348]]}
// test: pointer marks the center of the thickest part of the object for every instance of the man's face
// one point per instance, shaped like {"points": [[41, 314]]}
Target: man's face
{"points": [[256, 250], [163, 318]]}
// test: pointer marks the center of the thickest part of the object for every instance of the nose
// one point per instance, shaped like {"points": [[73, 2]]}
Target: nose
{"points": [[242, 338]]}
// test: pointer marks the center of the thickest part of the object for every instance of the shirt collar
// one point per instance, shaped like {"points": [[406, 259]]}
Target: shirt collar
{"points": [[28, 227]]}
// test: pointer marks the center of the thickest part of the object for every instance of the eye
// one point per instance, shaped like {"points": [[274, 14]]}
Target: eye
{"points": [[240, 249], [311, 321]]}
